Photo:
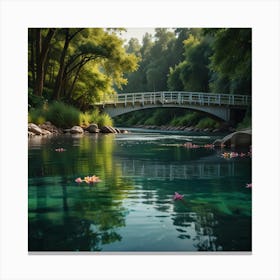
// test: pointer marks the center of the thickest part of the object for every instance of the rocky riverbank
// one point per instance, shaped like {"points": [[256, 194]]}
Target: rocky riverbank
{"points": [[49, 129], [223, 128], [235, 139]]}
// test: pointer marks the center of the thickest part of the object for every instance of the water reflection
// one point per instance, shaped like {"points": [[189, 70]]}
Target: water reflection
{"points": [[199, 228], [172, 171], [132, 207]]}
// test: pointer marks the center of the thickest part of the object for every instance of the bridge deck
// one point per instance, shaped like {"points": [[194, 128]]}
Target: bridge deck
{"points": [[177, 97]]}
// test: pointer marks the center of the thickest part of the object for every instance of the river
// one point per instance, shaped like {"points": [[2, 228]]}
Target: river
{"points": [[132, 208]]}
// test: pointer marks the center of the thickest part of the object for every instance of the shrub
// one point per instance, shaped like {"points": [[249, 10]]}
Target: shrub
{"points": [[207, 123], [104, 119], [246, 123], [63, 115], [37, 116], [84, 119], [94, 116], [186, 120]]}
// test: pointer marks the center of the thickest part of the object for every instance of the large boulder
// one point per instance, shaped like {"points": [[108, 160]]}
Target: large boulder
{"points": [[46, 132], [76, 130], [50, 127], [34, 128], [93, 128], [239, 138], [107, 129], [235, 139]]}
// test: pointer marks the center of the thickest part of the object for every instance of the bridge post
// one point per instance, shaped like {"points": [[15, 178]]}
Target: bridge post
{"points": [[179, 98]]}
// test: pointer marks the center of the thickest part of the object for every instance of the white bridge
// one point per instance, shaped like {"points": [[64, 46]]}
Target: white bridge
{"points": [[215, 104]]}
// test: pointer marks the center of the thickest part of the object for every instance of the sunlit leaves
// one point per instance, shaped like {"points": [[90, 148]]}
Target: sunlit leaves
{"points": [[84, 64]]}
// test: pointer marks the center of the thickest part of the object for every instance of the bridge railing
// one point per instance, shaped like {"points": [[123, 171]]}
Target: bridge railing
{"points": [[178, 97]]}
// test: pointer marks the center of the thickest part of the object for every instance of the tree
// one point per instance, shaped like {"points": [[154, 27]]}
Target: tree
{"points": [[61, 60], [192, 74], [231, 62], [39, 44]]}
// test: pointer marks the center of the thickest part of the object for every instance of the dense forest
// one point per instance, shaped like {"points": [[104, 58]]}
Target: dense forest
{"points": [[78, 66]]}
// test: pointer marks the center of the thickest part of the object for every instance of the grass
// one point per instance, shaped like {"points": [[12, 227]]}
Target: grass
{"points": [[207, 123], [66, 116], [63, 115]]}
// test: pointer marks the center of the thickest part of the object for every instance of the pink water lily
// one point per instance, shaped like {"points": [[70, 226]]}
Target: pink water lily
{"points": [[78, 180], [190, 145], [92, 179], [88, 179], [178, 196], [208, 146], [249, 185], [60, 150]]}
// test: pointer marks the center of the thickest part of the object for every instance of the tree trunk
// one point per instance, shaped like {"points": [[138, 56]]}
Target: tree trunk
{"points": [[59, 78], [32, 57], [42, 48]]}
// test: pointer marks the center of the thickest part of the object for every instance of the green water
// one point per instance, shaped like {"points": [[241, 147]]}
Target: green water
{"points": [[132, 208]]}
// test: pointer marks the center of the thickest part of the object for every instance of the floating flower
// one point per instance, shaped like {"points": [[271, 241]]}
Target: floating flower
{"points": [[189, 145], [178, 196], [91, 179], [233, 155], [78, 180], [88, 179], [230, 155], [225, 155], [208, 146], [60, 150], [249, 185]]}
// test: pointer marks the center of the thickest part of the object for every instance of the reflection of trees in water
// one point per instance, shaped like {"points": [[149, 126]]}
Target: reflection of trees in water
{"points": [[200, 227], [73, 235], [66, 217], [81, 221]]}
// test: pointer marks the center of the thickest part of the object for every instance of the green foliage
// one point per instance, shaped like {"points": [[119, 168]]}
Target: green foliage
{"points": [[192, 74], [95, 116], [207, 123], [231, 60], [34, 100], [246, 122], [188, 119], [84, 119], [156, 58], [104, 119], [66, 116], [81, 65], [63, 115], [160, 117], [36, 116]]}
